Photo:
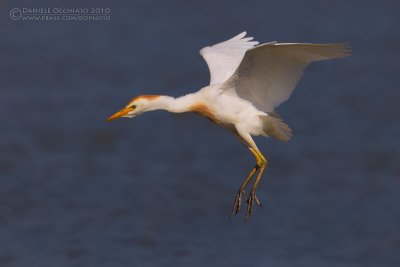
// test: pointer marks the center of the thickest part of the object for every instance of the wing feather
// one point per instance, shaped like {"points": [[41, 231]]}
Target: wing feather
{"points": [[268, 73], [224, 58]]}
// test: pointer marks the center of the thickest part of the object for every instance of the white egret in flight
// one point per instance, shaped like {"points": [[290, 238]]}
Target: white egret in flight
{"points": [[248, 81]]}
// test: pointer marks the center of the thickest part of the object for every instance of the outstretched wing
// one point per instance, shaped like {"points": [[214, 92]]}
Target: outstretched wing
{"points": [[268, 73], [224, 58]]}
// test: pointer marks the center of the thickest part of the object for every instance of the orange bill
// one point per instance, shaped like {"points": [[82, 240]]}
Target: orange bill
{"points": [[119, 114]]}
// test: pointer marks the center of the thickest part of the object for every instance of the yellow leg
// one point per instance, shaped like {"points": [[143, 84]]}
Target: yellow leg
{"points": [[241, 193], [260, 163]]}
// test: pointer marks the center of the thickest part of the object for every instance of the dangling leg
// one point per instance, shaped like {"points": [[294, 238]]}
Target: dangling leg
{"points": [[246, 139], [262, 162], [241, 192]]}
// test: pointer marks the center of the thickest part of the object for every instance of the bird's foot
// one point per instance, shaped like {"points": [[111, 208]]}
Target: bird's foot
{"points": [[238, 202], [250, 203]]}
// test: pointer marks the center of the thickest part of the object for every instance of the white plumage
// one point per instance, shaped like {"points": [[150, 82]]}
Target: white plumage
{"points": [[266, 74], [247, 82], [224, 58]]}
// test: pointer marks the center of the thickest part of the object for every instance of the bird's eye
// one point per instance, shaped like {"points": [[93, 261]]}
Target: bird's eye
{"points": [[133, 106]]}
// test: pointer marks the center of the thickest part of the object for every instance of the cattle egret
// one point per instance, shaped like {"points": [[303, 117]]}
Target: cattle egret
{"points": [[248, 81]]}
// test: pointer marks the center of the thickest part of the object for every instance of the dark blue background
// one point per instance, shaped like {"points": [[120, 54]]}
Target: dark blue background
{"points": [[157, 190]]}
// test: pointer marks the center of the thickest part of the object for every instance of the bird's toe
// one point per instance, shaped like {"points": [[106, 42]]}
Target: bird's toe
{"points": [[250, 203], [238, 201]]}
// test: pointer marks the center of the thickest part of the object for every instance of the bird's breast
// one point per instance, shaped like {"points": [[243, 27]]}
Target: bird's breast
{"points": [[205, 111]]}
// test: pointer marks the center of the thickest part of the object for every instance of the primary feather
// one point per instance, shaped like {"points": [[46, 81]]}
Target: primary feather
{"points": [[268, 73], [224, 58]]}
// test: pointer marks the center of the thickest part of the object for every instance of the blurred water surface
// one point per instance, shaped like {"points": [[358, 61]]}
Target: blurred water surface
{"points": [[157, 190]]}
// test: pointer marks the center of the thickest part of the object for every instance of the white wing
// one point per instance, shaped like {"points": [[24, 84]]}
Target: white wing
{"points": [[268, 73], [224, 58]]}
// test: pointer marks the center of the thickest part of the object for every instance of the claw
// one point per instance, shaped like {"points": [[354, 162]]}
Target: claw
{"points": [[257, 201], [238, 201], [250, 203]]}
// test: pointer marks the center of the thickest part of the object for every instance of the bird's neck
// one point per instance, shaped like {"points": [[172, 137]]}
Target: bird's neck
{"points": [[172, 104]]}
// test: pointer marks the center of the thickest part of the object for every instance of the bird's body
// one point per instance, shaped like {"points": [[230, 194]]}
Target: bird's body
{"points": [[248, 81], [223, 109]]}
